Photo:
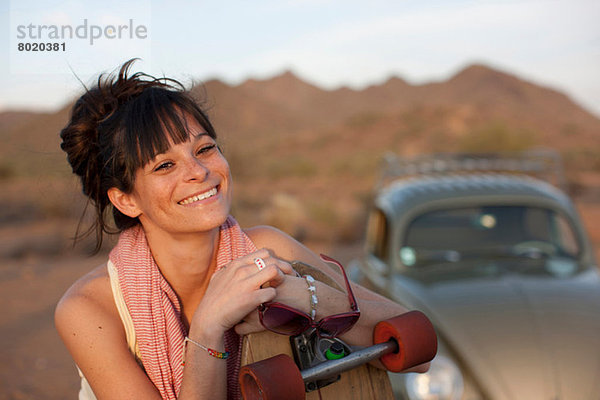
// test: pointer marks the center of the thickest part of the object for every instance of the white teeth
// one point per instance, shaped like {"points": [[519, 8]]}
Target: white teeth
{"points": [[199, 197]]}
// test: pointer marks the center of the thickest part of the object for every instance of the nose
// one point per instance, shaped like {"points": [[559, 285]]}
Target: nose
{"points": [[195, 170]]}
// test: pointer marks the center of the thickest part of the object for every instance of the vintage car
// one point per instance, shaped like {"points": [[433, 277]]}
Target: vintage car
{"points": [[500, 262]]}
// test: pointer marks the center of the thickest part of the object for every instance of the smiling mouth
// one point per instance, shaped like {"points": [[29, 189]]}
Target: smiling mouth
{"points": [[198, 197]]}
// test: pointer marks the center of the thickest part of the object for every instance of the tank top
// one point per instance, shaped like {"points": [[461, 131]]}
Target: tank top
{"points": [[85, 392]]}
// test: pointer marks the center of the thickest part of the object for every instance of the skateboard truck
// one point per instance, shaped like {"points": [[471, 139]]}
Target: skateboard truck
{"points": [[310, 350], [321, 361], [400, 343]]}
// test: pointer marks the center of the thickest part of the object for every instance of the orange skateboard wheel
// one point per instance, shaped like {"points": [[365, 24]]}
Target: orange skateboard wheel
{"points": [[416, 338], [273, 378]]}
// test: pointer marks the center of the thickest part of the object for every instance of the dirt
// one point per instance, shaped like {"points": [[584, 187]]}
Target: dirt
{"points": [[35, 364]]}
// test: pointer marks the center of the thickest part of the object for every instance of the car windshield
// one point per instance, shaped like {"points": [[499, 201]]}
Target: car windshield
{"points": [[451, 235]]}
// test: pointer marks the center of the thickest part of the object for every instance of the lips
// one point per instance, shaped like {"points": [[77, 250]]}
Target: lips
{"points": [[198, 197]]}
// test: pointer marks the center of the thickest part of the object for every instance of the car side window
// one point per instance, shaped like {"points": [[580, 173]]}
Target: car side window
{"points": [[377, 234], [565, 236], [550, 226]]}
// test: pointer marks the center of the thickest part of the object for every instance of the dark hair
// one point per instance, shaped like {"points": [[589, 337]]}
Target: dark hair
{"points": [[118, 126]]}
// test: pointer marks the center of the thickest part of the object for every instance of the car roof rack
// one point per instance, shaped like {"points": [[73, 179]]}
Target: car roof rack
{"points": [[544, 164]]}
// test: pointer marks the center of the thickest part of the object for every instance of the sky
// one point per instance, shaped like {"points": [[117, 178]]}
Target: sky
{"points": [[329, 43]]}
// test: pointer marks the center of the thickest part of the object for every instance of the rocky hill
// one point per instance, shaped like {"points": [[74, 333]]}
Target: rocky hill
{"points": [[306, 159]]}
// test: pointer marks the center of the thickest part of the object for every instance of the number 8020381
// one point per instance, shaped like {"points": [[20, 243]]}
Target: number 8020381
{"points": [[41, 46]]}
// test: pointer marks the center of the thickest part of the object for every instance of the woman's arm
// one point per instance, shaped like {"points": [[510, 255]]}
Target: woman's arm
{"points": [[373, 307], [90, 326], [233, 292]]}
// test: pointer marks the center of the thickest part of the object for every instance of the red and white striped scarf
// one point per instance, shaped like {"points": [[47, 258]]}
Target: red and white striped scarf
{"points": [[156, 311]]}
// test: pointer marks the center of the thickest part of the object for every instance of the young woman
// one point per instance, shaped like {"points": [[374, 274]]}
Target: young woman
{"points": [[184, 281]]}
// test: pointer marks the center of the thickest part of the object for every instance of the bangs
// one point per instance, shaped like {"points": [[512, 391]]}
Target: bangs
{"points": [[157, 119]]}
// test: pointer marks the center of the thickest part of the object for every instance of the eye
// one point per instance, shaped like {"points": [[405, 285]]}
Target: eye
{"points": [[206, 149], [163, 166]]}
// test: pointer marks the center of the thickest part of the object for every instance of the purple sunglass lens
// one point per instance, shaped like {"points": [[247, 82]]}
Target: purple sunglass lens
{"points": [[335, 326], [283, 321]]}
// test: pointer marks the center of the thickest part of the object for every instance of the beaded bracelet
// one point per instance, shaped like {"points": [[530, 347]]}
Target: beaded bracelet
{"points": [[212, 352], [313, 296]]}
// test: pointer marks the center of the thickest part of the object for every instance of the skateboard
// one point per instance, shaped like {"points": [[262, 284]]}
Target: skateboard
{"points": [[308, 367]]}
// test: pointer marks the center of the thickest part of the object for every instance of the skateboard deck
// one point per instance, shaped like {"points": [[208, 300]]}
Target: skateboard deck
{"points": [[363, 382]]}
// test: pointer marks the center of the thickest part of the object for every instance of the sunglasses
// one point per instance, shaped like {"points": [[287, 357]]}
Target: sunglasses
{"points": [[285, 320]]}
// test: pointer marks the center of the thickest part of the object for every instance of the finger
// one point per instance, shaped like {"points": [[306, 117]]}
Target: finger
{"points": [[277, 279], [271, 274], [270, 258], [244, 268], [286, 267], [250, 265], [248, 259], [250, 323], [244, 328], [264, 295], [263, 253]]}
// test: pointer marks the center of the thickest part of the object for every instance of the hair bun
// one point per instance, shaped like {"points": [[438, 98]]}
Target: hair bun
{"points": [[82, 137]]}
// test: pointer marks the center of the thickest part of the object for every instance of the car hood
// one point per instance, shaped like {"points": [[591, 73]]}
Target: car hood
{"points": [[534, 336]]}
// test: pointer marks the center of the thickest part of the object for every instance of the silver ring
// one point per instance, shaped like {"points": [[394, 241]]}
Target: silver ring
{"points": [[260, 263]]}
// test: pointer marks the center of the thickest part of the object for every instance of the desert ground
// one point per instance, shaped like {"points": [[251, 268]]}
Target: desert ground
{"points": [[320, 154], [35, 364]]}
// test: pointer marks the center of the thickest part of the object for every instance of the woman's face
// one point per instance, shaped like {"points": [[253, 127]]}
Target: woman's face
{"points": [[187, 189]]}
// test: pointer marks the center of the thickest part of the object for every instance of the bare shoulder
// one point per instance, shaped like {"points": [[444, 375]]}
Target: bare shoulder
{"points": [[86, 306], [92, 288], [287, 248], [281, 244], [89, 324], [264, 234]]}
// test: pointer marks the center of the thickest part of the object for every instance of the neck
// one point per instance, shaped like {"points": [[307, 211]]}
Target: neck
{"points": [[186, 262]]}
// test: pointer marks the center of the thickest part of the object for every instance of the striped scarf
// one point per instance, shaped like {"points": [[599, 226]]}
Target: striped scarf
{"points": [[156, 311]]}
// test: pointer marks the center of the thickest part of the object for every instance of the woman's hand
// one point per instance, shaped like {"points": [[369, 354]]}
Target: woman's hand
{"points": [[292, 291], [236, 290]]}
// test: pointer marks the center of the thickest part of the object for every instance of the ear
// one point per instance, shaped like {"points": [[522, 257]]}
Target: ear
{"points": [[124, 202]]}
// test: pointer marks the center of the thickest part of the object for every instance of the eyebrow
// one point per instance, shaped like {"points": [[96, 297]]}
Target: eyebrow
{"points": [[198, 135], [194, 137]]}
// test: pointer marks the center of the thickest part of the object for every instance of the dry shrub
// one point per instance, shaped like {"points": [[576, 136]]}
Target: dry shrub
{"points": [[497, 137], [583, 159], [363, 120], [6, 172]]}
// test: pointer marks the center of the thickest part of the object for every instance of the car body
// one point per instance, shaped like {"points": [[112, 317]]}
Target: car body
{"points": [[501, 264]]}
